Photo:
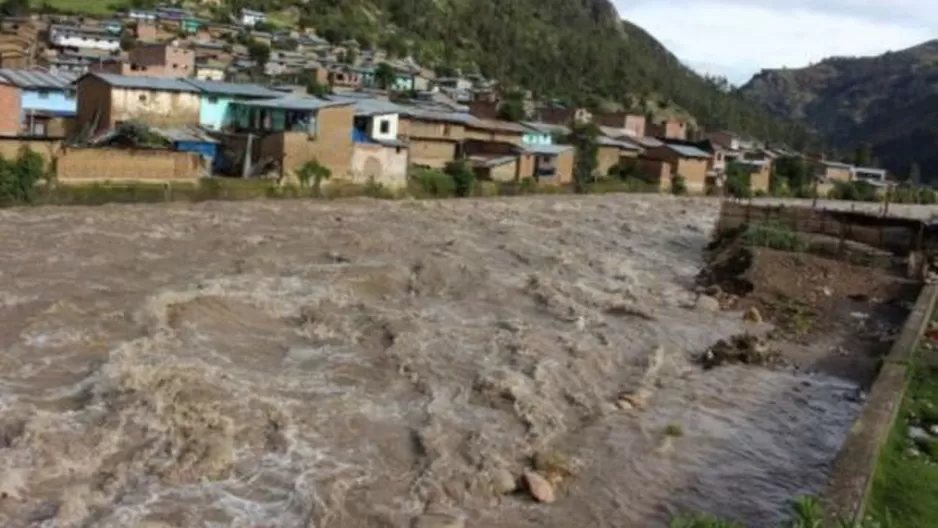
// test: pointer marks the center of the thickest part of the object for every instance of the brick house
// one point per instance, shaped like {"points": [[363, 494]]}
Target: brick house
{"points": [[632, 124], [831, 171], [760, 174], [552, 164], [609, 152], [153, 60], [496, 131], [10, 108], [691, 163], [106, 100], [434, 137], [668, 129], [296, 129]]}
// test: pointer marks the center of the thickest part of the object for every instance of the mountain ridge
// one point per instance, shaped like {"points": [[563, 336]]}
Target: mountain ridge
{"points": [[888, 102]]}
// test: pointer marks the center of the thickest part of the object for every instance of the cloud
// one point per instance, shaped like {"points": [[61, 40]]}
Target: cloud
{"points": [[737, 38]]}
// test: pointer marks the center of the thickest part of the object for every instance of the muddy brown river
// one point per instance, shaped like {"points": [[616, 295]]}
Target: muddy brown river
{"points": [[377, 364]]}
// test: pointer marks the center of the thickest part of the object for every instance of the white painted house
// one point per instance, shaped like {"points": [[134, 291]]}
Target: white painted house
{"points": [[83, 38], [250, 18]]}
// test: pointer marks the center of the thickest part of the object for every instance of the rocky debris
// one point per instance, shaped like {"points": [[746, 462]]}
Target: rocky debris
{"points": [[746, 349], [503, 482], [633, 400], [753, 315], [554, 466], [708, 304], [539, 487]]}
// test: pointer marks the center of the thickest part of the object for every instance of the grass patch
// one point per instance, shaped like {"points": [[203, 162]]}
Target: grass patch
{"points": [[905, 485], [773, 235], [89, 7]]}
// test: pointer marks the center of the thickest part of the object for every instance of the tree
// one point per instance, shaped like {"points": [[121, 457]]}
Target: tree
{"points": [[14, 7], [314, 87], [583, 138], [738, 181], [915, 174], [463, 177], [863, 156], [384, 76], [127, 42], [313, 172], [259, 53], [511, 110]]}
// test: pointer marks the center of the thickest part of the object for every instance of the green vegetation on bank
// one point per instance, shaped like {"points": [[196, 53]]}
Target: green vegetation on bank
{"points": [[906, 482], [806, 512]]}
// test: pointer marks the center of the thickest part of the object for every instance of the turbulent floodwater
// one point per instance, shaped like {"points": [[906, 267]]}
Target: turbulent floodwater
{"points": [[360, 364]]}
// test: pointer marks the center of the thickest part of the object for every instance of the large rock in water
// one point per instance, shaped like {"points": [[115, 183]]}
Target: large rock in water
{"points": [[746, 349], [539, 487]]}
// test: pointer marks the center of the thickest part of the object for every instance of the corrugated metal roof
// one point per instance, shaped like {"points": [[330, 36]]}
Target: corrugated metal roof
{"points": [[487, 162], [144, 83], [227, 88], [501, 126], [547, 150], [369, 106], [293, 102], [688, 151], [609, 142], [546, 128], [37, 78], [443, 117], [649, 142], [184, 133]]}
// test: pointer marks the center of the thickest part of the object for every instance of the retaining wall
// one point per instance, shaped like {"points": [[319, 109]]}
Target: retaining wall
{"points": [[851, 480]]}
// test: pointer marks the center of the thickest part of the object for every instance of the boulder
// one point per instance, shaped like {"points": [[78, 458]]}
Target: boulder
{"points": [[708, 303], [540, 488], [503, 482], [753, 315]]}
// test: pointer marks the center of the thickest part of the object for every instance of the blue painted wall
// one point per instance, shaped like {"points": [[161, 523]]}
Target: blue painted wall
{"points": [[214, 112], [403, 83], [536, 138], [59, 102]]}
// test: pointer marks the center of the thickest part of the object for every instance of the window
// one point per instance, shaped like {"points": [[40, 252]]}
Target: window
{"points": [[384, 126], [43, 94], [447, 129], [143, 98]]}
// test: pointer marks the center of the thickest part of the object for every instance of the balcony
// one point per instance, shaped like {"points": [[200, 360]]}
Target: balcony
{"points": [[545, 172]]}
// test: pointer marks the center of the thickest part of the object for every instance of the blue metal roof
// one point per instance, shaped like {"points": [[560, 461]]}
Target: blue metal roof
{"points": [[144, 83], [227, 88], [293, 102], [37, 78]]}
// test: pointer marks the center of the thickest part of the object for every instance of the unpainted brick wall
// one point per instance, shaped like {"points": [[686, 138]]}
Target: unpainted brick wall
{"points": [[105, 164]]}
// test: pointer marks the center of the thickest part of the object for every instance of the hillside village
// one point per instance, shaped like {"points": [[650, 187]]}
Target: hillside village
{"points": [[244, 99]]}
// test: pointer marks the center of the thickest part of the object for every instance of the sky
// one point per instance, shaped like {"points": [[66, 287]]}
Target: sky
{"points": [[738, 38]]}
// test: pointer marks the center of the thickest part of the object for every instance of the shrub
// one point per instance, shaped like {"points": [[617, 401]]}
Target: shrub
{"points": [[315, 172], [679, 185], [19, 177], [860, 191], [462, 175], [774, 236], [374, 189], [433, 183]]}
